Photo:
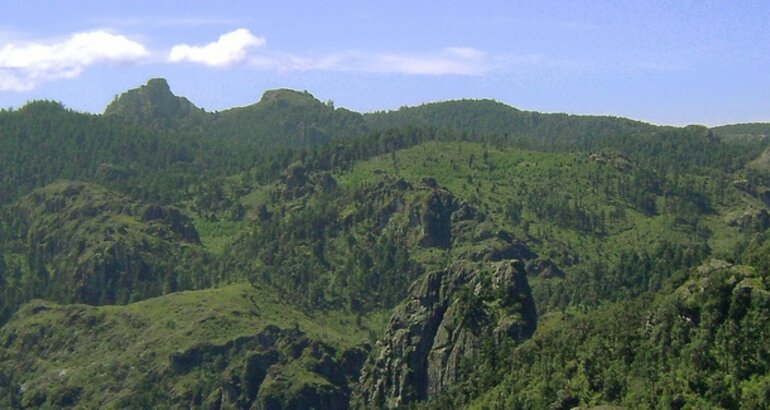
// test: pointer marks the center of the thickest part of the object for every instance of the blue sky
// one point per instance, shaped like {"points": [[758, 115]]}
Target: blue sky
{"points": [[666, 62]]}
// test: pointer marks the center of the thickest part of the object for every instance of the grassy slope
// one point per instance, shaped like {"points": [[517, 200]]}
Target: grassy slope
{"points": [[146, 333], [491, 178], [513, 186], [109, 350], [530, 178]]}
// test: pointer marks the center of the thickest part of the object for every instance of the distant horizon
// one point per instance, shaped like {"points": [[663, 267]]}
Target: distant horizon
{"points": [[668, 64], [336, 105]]}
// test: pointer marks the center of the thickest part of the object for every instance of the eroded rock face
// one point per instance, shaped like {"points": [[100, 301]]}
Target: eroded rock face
{"points": [[297, 181], [436, 219], [281, 369], [440, 328]]}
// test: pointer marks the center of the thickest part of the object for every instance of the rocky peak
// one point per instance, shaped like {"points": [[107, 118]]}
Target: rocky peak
{"points": [[154, 104], [296, 181], [441, 326]]}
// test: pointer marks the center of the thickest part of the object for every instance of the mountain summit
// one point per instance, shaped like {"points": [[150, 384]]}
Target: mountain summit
{"points": [[154, 104], [284, 117]]}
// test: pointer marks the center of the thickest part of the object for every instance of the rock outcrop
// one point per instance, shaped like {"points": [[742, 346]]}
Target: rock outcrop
{"points": [[440, 328], [297, 182], [281, 369], [755, 220], [436, 219], [760, 192], [620, 162], [155, 105]]}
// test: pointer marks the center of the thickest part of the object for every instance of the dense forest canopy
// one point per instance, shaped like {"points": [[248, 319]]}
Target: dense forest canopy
{"points": [[290, 254]]}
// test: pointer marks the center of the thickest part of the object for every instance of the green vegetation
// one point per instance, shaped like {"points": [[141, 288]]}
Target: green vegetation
{"points": [[695, 345], [153, 104], [746, 132], [611, 224], [81, 243], [170, 349], [455, 254]]}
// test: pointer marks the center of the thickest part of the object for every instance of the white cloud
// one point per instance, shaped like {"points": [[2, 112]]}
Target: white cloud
{"points": [[24, 66], [231, 48], [449, 61], [465, 52], [236, 47]]}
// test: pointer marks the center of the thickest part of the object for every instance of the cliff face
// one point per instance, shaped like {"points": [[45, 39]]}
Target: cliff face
{"points": [[441, 327]]}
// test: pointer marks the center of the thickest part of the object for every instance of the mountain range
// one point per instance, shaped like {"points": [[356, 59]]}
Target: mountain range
{"points": [[460, 254]]}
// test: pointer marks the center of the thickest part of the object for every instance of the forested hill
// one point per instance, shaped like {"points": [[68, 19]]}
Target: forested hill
{"points": [[492, 118], [154, 105], [154, 145], [287, 118], [665, 147], [151, 144], [280, 118], [744, 131], [462, 254]]}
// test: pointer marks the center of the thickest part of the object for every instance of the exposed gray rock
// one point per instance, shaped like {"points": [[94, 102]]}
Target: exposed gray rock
{"points": [[439, 329], [436, 219]]}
